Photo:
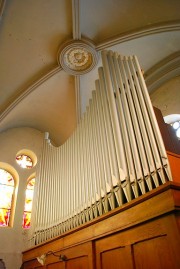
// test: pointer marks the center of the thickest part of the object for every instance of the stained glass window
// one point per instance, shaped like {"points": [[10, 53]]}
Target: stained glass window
{"points": [[24, 161], [6, 195], [28, 203]]}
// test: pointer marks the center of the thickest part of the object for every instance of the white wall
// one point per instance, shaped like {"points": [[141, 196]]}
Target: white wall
{"points": [[167, 97], [12, 239]]}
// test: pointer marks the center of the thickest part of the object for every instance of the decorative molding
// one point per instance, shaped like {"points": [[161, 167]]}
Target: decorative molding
{"points": [[77, 57], [163, 71], [76, 19], [29, 90], [149, 30]]}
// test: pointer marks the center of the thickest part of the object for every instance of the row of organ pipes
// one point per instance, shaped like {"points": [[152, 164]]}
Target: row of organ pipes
{"points": [[115, 154]]}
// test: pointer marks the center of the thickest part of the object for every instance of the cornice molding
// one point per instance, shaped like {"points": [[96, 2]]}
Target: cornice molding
{"points": [[76, 19], [148, 30], [163, 71], [29, 90]]}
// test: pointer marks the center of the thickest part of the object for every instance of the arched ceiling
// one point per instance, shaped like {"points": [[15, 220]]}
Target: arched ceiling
{"points": [[34, 89]]}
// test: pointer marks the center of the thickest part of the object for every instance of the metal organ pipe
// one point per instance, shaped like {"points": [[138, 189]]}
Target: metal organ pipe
{"points": [[108, 130], [156, 163], [115, 154], [103, 142], [154, 124], [122, 165], [138, 125]]}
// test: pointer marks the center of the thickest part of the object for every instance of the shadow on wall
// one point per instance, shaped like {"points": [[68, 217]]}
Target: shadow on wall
{"points": [[2, 265]]}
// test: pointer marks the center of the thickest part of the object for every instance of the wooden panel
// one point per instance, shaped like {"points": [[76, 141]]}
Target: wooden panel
{"points": [[174, 161], [159, 201], [144, 244], [130, 236], [78, 263], [173, 233], [112, 252], [33, 265], [169, 137], [116, 258], [178, 220], [153, 253], [135, 236], [38, 250], [56, 265]]}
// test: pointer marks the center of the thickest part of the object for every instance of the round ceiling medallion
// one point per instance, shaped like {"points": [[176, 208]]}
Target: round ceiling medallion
{"points": [[77, 57]]}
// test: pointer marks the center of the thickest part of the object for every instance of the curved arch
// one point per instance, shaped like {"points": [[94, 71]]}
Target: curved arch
{"points": [[137, 33], [33, 175], [163, 71], [11, 170]]}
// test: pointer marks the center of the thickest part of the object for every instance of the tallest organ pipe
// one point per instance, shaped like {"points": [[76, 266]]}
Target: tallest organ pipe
{"points": [[115, 154]]}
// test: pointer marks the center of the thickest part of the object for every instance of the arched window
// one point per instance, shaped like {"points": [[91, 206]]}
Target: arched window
{"points": [[28, 203], [6, 196], [24, 161]]}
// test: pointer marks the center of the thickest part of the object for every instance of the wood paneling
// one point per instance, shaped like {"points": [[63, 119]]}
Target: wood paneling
{"points": [[145, 233], [171, 143], [154, 244], [78, 263], [116, 258], [174, 161], [78, 257], [169, 137], [153, 253], [56, 265], [32, 265]]}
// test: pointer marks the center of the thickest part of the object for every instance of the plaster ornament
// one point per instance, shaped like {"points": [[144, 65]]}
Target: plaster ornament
{"points": [[78, 57]]}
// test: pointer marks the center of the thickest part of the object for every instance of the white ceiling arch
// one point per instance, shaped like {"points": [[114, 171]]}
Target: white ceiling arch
{"points": [[32, 33]]}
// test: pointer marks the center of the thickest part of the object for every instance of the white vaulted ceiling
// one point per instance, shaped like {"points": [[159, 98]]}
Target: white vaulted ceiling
{"points": [[34, 89]]}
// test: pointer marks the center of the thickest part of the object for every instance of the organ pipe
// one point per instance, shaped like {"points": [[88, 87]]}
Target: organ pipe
{"points": [[115, 154]]}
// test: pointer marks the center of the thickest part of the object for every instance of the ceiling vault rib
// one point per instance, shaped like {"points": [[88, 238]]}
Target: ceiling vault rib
{"points": [[15, 102], [78, 99], [76, 19], [163, 71], [149, 30]]}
